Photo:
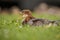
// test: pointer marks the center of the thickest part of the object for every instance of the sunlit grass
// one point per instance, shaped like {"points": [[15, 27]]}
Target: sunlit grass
{"points": [[11, 29]]}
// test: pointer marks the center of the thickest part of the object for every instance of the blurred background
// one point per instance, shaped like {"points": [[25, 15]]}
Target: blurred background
{"points": [[11, 27], [37, 6]]}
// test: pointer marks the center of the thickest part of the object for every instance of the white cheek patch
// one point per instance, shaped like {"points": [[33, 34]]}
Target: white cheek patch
{"points": [[25, 15]]}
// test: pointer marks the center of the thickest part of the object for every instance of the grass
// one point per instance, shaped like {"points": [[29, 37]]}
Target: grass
{"points": [[11, 29]]}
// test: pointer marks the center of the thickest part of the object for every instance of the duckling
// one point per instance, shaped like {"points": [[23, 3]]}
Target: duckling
{"points": [[29, 19]]}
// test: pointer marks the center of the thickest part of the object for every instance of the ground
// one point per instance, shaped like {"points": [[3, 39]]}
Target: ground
{"points": [[11, 28]]}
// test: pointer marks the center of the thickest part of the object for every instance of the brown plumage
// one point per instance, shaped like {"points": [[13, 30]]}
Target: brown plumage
{"points": [[29, 17]]}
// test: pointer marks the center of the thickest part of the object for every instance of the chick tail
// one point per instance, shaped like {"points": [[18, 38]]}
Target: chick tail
{"points": [[57, 22]]}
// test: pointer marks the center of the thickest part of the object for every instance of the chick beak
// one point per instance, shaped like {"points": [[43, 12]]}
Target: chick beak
{"points": [[24, 16]]}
